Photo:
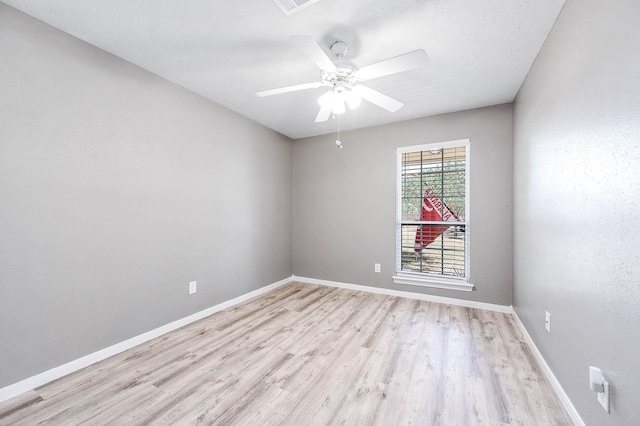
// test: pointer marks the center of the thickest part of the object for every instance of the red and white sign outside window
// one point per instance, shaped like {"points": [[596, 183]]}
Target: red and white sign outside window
{"points": [[433, 210]]}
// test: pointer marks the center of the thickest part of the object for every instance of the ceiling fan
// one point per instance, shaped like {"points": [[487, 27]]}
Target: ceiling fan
{"points": [[344, 80]]}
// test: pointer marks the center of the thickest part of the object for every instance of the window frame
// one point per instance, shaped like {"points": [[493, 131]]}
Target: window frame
{"points": [[425, 279]]}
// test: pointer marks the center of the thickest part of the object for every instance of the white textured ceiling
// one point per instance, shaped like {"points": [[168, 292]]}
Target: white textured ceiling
{"points": [[479, 50]]}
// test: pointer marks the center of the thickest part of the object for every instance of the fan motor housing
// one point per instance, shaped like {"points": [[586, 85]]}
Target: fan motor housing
{"points": [[339, 49]]}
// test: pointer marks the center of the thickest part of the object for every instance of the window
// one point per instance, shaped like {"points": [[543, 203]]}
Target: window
{"points": [[432, 216]]}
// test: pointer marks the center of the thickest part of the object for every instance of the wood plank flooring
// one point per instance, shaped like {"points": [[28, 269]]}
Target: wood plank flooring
{"points": [[304, 354]]}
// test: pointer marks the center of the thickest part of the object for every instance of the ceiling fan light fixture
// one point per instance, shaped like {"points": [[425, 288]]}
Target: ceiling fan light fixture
{"points": [[338, 106], [326, 100], [353, 100], [344, 80]]}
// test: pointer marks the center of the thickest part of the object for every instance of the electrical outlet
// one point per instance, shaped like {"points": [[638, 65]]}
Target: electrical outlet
{"points": [[376, 267], [603, 397], [193, 287], [598, 383], [547, 321]]}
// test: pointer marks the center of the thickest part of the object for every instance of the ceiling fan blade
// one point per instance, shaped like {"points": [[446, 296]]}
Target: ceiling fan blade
{"points": [[323, 114], [314, 52], [377, 98], [289, 89], [404, 62]]}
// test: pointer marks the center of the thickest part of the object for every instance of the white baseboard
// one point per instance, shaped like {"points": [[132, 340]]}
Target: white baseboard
{"points": [[564, 398], [410, 295], [75, 365]]}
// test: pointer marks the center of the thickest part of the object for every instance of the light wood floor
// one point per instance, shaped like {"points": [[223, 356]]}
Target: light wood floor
{"points": [[312, 355]]}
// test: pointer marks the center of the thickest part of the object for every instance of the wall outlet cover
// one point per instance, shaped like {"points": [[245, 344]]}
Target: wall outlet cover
{"points": [[603, 398], [193, 287]]}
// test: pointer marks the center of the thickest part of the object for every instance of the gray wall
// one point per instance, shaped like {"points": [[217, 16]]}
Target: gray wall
{"points": [[116, 189], [344, 201], [577, 203]]}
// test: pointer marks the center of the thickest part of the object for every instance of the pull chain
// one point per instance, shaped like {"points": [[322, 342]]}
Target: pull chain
{"points": [[338, 143]]}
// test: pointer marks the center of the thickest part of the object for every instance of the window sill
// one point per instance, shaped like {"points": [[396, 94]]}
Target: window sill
{"points": [[434, 282]]}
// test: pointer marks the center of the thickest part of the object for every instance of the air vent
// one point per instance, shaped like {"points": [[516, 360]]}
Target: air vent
{"points": [[289, 7]]}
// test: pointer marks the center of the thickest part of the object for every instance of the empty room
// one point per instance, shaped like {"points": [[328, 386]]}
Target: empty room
{"points": [[320, 212]]}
